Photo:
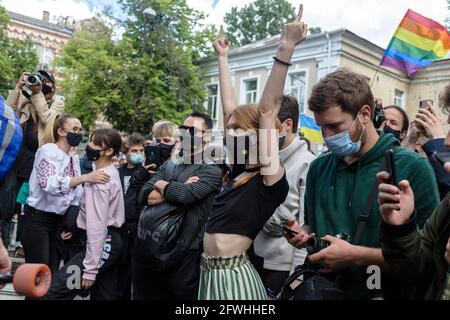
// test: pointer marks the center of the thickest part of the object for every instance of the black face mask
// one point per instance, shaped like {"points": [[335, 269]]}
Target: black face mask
{"points": [[165, 150], [74, 139], [196, 143], [92, 154], [396, 133], [240, 148], [46, 89]]}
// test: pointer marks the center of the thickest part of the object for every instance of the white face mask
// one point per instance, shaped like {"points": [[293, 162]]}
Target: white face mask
{"points": [[342, 145]]}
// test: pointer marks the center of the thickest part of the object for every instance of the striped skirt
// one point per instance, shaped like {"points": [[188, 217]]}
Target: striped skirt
{"points": [[233, 278]]}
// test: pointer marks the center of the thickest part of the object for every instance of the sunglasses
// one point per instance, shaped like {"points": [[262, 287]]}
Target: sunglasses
{"points": [[191, 130]]}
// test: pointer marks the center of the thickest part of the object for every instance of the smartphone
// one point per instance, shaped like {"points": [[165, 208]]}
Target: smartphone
{"points": [[423, 103], [390, 166], [442, 157], [291, 232], [152, 155]]}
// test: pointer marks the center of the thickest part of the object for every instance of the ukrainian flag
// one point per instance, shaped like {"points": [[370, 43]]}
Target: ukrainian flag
{"points": [[310, 130]]}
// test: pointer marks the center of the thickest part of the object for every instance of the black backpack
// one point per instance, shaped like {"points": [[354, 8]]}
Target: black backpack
{"points": [[159, 244], [315, 285]]}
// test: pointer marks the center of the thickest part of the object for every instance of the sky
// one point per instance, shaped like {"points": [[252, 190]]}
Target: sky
{"points": [[375, 20]]}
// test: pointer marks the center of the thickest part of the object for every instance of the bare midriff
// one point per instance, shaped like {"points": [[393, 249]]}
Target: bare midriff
{"points": [[225, 245]]}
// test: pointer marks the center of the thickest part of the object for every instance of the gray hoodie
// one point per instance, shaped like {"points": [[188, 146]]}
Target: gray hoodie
{"points": [[270, 244]]}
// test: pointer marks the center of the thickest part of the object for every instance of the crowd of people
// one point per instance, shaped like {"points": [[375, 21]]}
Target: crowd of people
{"points": [[174, 215]]}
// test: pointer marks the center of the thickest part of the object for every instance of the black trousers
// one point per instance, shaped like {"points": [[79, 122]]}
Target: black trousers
{"points": [[125, 280], [66, 283], [274, 280], [39, 237], [177, 283]]}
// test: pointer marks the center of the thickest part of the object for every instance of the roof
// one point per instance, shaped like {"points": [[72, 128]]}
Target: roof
{"points": [[273, 41], [39, 23]]}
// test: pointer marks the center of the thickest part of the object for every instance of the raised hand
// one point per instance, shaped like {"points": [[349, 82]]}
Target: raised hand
{"points": [[396, 204], [430, 122], [221, 45], [295, 32]]}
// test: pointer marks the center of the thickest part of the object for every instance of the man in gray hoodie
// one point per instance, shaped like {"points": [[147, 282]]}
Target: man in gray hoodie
{"points": [[280, 258]]}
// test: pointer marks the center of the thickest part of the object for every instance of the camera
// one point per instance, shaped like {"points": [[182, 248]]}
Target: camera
{"points": [[315, 245], [34, 79]]}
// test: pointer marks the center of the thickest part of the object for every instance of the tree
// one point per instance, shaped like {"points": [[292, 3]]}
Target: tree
{"points": [[151, 73], [258, 20], [16, 56], [91, 69]]}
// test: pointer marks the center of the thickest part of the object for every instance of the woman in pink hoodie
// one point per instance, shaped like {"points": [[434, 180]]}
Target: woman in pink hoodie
{"points": [[102, 214]]}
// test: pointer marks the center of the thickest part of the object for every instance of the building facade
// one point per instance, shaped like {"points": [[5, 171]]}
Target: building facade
{"points": [[313, 59], [48, 38]]}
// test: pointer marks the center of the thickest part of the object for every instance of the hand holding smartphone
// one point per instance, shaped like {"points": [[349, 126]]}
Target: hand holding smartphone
{"points": [[291, 233], [426, 103], [390, 166]]}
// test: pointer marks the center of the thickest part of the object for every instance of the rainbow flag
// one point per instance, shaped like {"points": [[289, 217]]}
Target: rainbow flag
{"points": [[416, 44], [309, 129]]}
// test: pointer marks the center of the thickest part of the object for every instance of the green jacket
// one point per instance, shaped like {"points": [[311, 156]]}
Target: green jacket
{"points": [[417, 257], [336, 194]]}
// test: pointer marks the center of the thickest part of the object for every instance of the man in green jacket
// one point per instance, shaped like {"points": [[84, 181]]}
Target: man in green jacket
{"points": [[416, 257], [339, 182]]}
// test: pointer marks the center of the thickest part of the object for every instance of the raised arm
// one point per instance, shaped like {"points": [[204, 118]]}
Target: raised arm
{"points": [[222, 47], [269, 106]]}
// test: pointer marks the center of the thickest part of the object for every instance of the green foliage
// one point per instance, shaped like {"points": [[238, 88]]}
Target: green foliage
{"points": [[258, 20], [151, 73], [16, 56]]}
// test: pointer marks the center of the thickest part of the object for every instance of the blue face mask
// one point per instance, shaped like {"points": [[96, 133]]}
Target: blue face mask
{"points": [[342, 145], [137, 158]]}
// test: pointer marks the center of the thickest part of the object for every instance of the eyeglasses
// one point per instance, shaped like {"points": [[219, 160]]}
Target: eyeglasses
{"points": [[76, 131]]}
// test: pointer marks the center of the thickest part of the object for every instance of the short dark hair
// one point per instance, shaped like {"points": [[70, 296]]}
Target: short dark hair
{"points": [[48, 76], [148, 137], [134, 139], [348, 90], [204, 116], [289, 110], [405, 125], [107, 138]]}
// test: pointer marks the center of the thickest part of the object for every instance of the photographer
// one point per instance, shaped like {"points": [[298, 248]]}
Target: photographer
{"points": [[40, 106], [428, 127], [419, 257], [340, 185]]}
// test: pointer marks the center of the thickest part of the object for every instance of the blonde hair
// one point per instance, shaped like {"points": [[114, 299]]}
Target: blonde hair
{"points": [[164, 128], [55, 122]]}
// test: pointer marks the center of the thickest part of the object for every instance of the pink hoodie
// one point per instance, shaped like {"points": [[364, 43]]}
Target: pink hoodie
{"points": [[101, 206]]}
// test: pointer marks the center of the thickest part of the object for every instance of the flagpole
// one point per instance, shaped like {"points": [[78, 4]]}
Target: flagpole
{"points": [[375, 75]]}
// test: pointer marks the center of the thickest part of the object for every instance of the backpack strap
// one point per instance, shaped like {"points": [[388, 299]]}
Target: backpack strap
{"points": [[365, 214]]}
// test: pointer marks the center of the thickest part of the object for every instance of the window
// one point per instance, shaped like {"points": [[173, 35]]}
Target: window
{"points": [[212, 101], [251, 90], [399, 99], [296, 87], [45, 56]]}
